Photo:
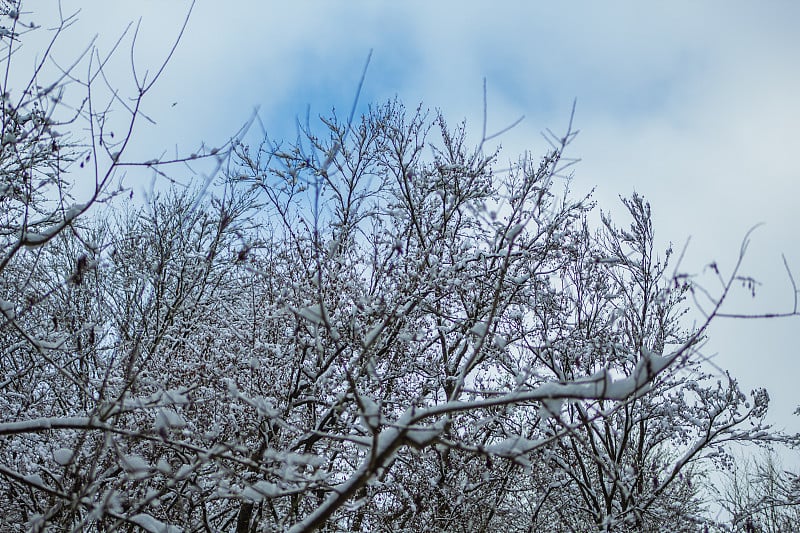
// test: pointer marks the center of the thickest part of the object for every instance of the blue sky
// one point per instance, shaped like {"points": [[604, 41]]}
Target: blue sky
{"points": [[693, 104]]}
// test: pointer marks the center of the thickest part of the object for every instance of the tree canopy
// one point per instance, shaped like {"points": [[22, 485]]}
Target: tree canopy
{"points": [[377, 327]]}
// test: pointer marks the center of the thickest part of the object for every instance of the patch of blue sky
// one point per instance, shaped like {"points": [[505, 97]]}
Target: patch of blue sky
{"points": [[331, 82]]}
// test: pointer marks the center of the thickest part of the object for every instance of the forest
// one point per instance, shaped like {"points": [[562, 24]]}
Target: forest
{"points": [[375, 327]]}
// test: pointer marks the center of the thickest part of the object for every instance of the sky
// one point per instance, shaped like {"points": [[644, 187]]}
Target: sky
{"points": [[692, 104]]}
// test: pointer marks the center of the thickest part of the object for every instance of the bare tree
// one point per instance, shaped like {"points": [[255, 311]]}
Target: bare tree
{"points": [[759, 495]]}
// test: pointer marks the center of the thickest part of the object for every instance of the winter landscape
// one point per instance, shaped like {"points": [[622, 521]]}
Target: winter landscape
{"points": [[361, 267]]}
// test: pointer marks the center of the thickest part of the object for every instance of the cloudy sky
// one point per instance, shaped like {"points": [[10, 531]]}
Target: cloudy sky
{"points": [[692, 104]]}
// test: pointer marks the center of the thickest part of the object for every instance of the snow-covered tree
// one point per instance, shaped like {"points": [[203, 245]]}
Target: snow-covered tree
{"points": [[378, 327], [634, 465], [459, 316], [66, 134]]}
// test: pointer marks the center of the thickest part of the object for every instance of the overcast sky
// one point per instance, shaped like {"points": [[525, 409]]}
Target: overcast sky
{"points": [[692, 104]]}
